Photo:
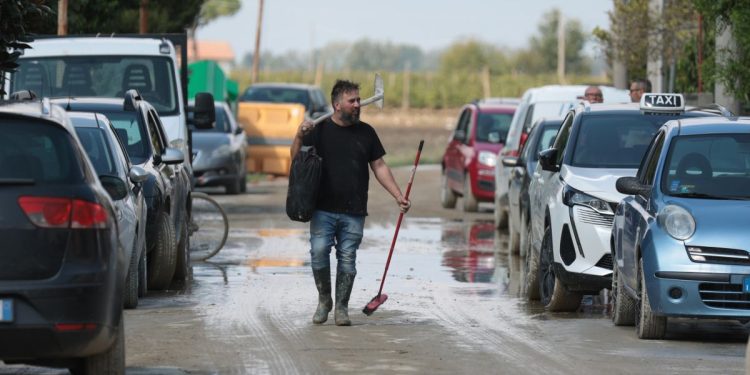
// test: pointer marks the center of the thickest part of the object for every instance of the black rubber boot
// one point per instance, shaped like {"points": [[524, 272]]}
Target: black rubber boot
{"points": [[325, 303], [344, 283]]}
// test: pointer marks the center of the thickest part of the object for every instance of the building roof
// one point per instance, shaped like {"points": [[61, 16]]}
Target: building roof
{"points": [[210, 50]]}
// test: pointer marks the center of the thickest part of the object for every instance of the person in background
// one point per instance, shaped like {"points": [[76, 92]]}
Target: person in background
{"points": [[348, 147], [593, 94], [639, 87]]}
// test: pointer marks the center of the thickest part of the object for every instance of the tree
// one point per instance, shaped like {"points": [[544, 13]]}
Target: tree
{"points": [[541, 56], [369, 55], [15, 20], [211, 10], [472, 55]]}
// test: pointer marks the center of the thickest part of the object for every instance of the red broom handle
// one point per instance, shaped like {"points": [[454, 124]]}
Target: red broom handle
{"points": [[401, 216]]}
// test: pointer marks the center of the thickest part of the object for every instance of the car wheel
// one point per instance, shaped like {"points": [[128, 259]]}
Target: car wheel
{"points": [[233, 187], [469, 200], [162, 257], [243, 181], [130, 290], [447, 195], [552, 293], [111, 361], [648, 325], [143, 272], [531, 280], [182, 270], [623, 306], [513, 238]]}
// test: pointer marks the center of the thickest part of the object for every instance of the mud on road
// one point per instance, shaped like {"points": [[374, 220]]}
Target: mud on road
{"points": [[453, 306]]}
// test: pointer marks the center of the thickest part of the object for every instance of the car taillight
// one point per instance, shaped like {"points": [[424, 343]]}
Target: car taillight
{"points": [[53, 212], [524, 137]]}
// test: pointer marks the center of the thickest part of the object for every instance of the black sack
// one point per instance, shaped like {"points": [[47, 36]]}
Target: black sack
{"points": [[304, 181]]}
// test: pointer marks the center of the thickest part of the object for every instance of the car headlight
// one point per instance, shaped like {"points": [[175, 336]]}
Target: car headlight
{"points": [[677, 221], [487, 158], [222, 151], [573, 197]]}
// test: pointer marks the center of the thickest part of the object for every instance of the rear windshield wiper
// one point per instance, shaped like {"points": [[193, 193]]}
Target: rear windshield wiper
{"points": [[17, 181]]}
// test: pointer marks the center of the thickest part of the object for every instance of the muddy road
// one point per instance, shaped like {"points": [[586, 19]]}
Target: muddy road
{"points": [[453, 306]]}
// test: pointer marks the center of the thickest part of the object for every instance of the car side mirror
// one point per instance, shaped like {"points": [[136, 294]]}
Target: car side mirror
{"points": [[137, 174], [114, 186], [548, 160], [204, 111], [239, 130], [632, 186], [172, 156], [510, 161]]}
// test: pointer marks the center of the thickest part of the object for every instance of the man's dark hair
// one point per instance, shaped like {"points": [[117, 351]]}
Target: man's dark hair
{"points": [[643, 83], [342, 86]]}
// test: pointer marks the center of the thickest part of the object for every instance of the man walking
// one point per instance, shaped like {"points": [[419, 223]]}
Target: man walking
{"points": [[348, 146]]}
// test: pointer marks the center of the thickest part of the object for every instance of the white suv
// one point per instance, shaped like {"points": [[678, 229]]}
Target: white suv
{"points": [[573, 196]]}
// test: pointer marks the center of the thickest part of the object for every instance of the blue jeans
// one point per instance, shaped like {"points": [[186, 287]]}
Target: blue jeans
{"points": [[344, 231]]}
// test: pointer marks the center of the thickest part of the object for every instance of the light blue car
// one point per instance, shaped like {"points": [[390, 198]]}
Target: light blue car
{"points": [[681, 239]]}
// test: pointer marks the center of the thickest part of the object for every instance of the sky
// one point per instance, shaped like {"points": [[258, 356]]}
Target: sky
{"points": [[302, 25]]}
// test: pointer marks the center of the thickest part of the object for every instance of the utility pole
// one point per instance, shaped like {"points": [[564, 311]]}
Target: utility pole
{"points": [[561, 48], [62, 17], [256, 54], [143, 27]]}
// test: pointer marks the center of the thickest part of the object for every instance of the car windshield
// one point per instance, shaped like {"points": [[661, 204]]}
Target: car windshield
{"points": [[708, 166], [100, 76], [546, 109], [132, 135], [489, 123], [276, 95], [34, 151], [614, 141], [98, 150]]}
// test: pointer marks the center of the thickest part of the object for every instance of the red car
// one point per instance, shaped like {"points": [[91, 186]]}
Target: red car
{"points": [[469, 161]]}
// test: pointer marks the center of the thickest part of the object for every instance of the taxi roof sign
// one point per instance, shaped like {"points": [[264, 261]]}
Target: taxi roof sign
{"points": [[662, 103]]}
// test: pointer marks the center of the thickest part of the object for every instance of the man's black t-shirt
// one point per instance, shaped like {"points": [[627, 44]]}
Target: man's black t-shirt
{"points": [[346, 152]]}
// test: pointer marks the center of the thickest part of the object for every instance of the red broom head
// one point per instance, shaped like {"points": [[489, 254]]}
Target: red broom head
{"points": [[374, 304]]}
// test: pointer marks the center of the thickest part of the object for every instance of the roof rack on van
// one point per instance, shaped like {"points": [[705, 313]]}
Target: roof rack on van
{"points": [[714, 108]]}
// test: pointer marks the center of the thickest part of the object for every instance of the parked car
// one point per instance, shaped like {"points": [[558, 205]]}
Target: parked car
{"points": [[270, 113], [110, 161], [219, 153], [470, 157], [521, 170], [573, 197], [167, 190], [536, 103], [680, 240], [61, 267]]}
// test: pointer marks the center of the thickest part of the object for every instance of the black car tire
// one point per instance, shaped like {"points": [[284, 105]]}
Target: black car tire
{"points": [[182, 270], [243, 181], [447, 195], [648, 325], [552, 293], [130, 289], [469, 201], [233, 187], [531, 279], [111, 361], [623, 306], [143, 272], [162, 257]]}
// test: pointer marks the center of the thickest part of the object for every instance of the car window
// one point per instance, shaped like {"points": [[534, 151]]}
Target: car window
{"points": [[546, 109], [711, 164], [37, 151], [647, 171], [488, 123], [277, 95], [101, 76], [120, 152], [132, 134], [613, 141], [461, 133], [561, 139], [98, 149], [546, 139], [154, 132]]}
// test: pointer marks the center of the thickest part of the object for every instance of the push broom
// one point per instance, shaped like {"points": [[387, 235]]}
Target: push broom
{"points": [[382, 297]]}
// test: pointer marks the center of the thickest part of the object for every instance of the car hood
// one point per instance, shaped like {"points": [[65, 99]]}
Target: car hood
{"points": [[208, 141], [598, 182], [718, 223]]}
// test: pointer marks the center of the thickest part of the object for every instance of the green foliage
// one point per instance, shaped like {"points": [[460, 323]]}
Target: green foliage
{"points": [[370, 55], [472, 56], [627, 40], [213, 9], [541, 56], [733, 71], [15, 19], [427, 89]]}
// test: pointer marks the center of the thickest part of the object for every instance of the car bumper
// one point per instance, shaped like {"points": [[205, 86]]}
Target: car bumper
{"points": [[89, 311], [705, 290], [216, 171], [483, 185], [585, 249]]}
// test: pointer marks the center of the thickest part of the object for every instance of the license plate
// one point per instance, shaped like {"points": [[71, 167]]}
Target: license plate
{"points": [[746, 285], [6, 310]]}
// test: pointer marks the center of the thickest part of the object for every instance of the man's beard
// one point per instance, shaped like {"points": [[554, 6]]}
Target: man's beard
{"points": [[350, 117]]}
